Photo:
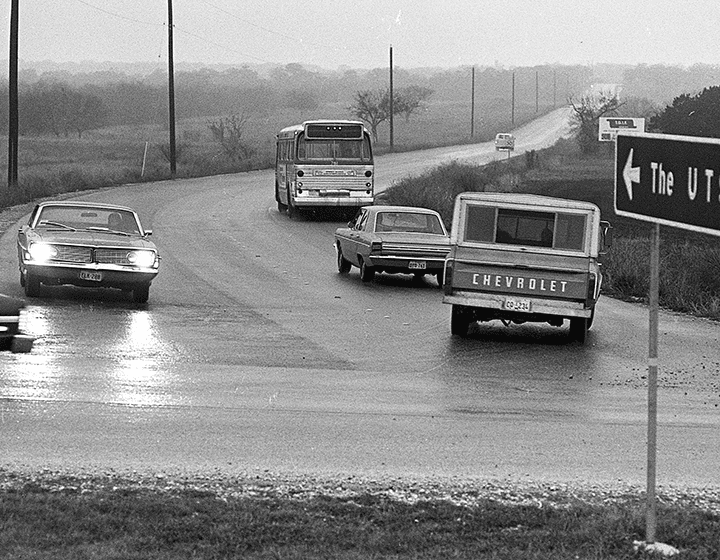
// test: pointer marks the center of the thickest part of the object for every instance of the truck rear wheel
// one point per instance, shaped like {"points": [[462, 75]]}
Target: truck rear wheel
{"points": [[579, 328], [459, 321]]}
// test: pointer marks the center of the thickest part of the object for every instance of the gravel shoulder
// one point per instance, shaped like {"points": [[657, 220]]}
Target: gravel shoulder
{"points": [[265, 485]]}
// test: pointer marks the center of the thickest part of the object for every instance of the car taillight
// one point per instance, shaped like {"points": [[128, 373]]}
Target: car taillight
{"points": [[376, 247], [447, 281], [592, 281]]}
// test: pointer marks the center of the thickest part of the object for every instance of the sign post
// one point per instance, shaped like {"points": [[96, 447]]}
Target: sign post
{"points": [[651, 501], [675, 181]]}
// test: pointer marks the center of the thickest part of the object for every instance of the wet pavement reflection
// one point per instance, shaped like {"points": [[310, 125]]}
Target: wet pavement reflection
{"points": [[99, 350]]}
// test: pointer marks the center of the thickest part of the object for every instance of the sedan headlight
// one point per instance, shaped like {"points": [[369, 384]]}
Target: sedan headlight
{"points": [[143, 259], [42, 252]]}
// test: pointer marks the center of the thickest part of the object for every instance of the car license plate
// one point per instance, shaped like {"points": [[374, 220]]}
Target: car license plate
{"points": [[417, 265], [92, 276], [512, 304]]}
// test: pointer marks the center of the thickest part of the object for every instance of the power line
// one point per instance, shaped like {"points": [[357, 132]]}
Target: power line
{"points": [[175, 27], [119, 16], [295, 39], [180, 30]]}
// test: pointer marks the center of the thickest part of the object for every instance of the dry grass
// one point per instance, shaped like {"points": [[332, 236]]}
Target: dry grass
{"points": [[59, 516]]}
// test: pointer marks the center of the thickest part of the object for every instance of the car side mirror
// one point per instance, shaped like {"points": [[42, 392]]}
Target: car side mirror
{"points": [[351, 224], [606, 231], [148, 232]]}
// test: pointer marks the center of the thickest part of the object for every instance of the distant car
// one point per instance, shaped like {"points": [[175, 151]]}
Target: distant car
{"points": [[393, 239], [504, 141], [89, 245], [11, 337]]}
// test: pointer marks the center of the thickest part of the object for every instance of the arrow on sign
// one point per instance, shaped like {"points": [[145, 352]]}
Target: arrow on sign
{"points": [[630, 174]]}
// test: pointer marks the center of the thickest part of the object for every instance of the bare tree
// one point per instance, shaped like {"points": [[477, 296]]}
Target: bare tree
{"points": [[228, 132], [86, 112], [410, 99], [373, 107], [586, 117]]}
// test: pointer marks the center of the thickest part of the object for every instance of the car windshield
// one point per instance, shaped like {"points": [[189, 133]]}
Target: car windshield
{"points": [[83, 217], [410, 222]]}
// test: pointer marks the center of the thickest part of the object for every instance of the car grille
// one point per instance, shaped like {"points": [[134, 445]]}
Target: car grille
{"points": [[111, 256], [74, 254], [68, 253]]}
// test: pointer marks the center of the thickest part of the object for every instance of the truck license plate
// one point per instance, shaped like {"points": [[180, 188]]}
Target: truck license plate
{"points": [[417, 265], [93, 276], [512, 304]]}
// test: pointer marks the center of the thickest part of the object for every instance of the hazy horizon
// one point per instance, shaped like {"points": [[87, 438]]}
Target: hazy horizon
{"points": [[332, 35]]}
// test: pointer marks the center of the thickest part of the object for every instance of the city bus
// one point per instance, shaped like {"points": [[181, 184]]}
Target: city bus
{"points": [[324, 163]]}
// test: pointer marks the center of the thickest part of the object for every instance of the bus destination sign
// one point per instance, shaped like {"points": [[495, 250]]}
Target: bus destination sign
{"points": [[668, 179]]}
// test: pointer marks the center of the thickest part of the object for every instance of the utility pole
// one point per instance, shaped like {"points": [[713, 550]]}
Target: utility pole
{"points": [[13, 98], [392, 99], [512, 113], [537, 92], [171, 89], [472, 105]]}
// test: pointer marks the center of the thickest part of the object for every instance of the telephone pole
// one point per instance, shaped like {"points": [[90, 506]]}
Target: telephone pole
{"points": [[13, 98], [472, 105], [392, 95], [512, 112], [171, 89]]}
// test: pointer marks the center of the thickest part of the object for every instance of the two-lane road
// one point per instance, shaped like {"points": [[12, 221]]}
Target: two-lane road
{"points": [[254, 354]]}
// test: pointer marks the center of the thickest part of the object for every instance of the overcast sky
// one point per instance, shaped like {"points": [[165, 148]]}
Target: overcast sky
{"points": [[358, 33]]}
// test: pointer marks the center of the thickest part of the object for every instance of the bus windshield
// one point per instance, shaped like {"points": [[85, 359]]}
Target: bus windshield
{"points": [[329, 149]]}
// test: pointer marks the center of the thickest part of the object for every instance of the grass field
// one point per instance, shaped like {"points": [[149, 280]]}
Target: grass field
{"points": [[61, 516]]}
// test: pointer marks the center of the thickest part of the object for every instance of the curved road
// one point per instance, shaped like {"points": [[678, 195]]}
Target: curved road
{"points": [[253, 354]]}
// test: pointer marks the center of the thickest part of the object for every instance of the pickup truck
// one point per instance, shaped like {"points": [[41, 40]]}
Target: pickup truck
{"points": [[524, 258]]}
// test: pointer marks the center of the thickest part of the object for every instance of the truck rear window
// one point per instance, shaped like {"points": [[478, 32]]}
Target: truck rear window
{"points": [[487, 224]]}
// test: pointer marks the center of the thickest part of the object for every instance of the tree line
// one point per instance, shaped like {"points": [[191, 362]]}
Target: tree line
{"points": [[688, 115], [63, 103]]}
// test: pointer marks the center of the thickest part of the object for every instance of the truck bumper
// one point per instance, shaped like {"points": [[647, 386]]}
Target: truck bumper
{"points": [[495, 303]]}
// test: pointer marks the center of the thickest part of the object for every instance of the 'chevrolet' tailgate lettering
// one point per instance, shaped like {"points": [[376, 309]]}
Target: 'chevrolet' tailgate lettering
{"points": [[571, 285]]}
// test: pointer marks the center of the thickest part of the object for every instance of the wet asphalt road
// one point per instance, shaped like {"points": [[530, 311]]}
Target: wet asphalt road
{"points": [[254, 354]]}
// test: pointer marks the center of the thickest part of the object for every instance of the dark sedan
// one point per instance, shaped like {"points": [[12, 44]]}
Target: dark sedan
{"points": [[393, 239], [88, 245]]}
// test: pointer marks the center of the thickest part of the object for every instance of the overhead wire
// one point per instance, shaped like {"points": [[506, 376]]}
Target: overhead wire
{"points": [[293, 38], [177, 28]]}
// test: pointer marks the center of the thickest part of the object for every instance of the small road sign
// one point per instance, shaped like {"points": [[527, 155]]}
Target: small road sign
{"points": [[668, 179], [608, 127]]}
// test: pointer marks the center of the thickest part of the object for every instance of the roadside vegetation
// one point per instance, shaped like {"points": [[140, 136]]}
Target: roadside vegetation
{"points": [[59, 516], [690, 262]]}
